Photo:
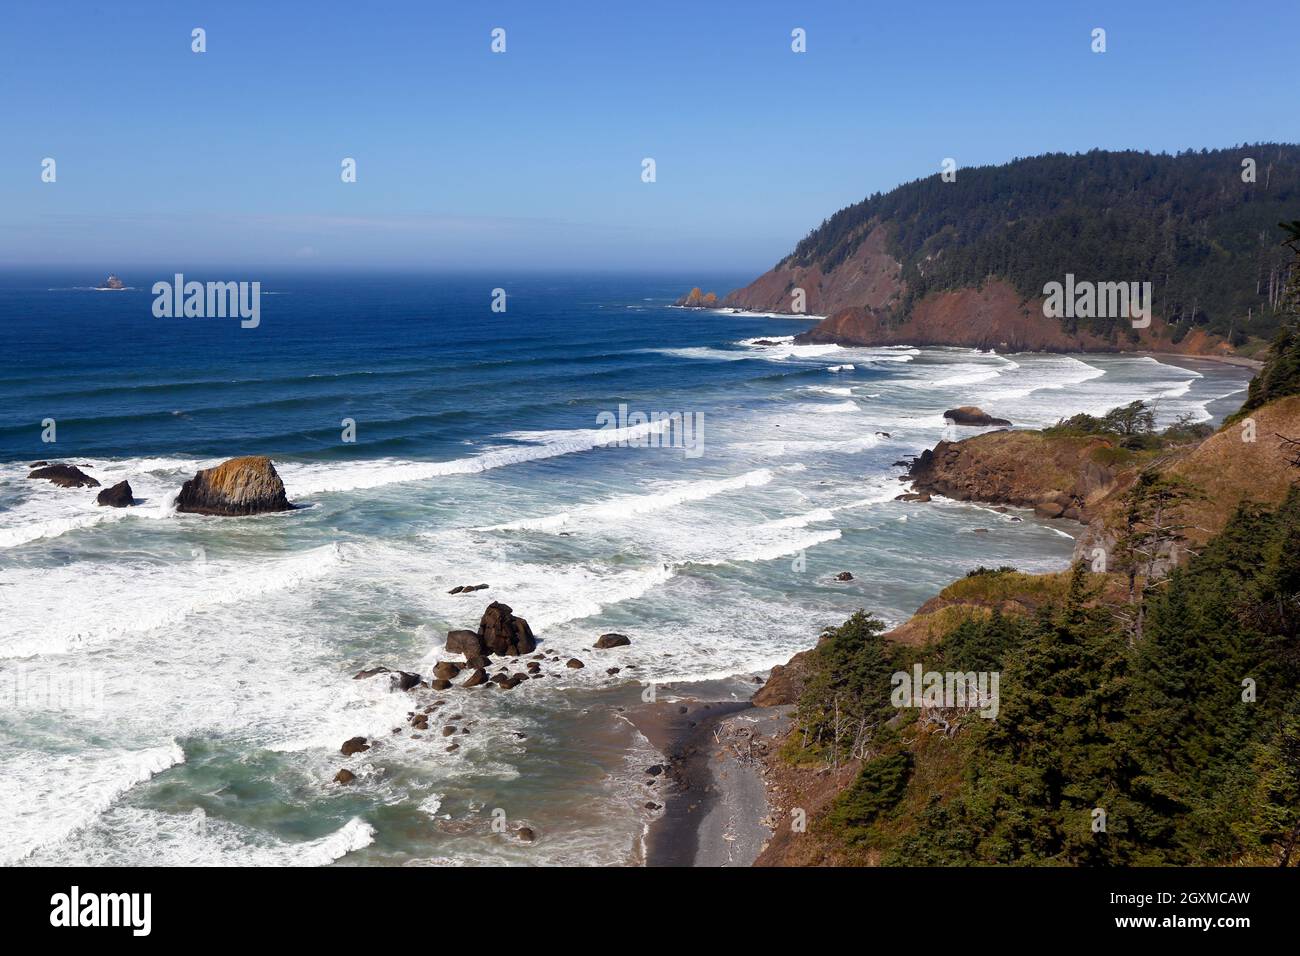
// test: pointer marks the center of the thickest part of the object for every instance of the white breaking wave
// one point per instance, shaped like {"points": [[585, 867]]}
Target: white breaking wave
{"points": [[605, 590], [23, 534], [798, 521], [626, 506], [127, 836], [833, 409], [45, 798], [60, 626], [306, 481], [780, 549]]}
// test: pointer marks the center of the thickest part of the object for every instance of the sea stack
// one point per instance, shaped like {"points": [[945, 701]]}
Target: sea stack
{"points": [[241, 486]]}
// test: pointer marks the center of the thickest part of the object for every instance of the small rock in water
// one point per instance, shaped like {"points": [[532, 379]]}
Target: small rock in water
{"points": [[844, 576], [606, 641], [344, 777], [404, 681], [575, 663], [65, 476], [119, 496], [354, 745]]}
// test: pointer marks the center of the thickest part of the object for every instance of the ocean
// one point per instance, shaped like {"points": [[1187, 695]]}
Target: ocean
{"points": [[175, 689]]}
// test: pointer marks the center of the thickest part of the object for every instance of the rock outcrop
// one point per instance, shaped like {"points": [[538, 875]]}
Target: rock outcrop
{"points": [[240, 486], [65, 476], [118, 496], [695, 299], [1057, 476], [466, 643], [504, 634], [785, 683], [499, 632]]}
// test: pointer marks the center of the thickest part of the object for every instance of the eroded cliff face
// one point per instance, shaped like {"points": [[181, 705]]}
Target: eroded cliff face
{"points": [[869, 279], [859, 296]]}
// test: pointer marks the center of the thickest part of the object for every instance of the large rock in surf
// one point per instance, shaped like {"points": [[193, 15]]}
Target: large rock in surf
{"points": [[241, 486], [503, 633], [465, 642], [65, 476], [119, 496], [606, 641], [971, 415]]}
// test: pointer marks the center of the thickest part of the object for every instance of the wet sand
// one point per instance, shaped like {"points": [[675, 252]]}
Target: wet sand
{"points": [[715, 806]]}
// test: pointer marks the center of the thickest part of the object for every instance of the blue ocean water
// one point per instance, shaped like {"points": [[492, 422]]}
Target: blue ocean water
{"points": [[181, 685]]}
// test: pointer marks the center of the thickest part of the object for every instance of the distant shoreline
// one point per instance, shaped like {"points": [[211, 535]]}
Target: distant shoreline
{"points": [[1238, 360]]}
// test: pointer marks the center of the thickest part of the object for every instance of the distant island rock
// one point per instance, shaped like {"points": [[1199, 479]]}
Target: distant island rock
{"points": [[695, 299], [112, 282], [240, 486]]}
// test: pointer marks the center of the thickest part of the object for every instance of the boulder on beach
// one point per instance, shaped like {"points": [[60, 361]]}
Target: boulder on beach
{"points": [[65, 476], [972, 415], [503, 633], [240, 486], [606, 641], [119, 496]]}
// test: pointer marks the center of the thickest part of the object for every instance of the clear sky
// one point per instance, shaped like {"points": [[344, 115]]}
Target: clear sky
{"points": [[532, 158]]}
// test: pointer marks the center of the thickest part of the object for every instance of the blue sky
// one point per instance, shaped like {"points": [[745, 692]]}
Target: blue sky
{"points": [[532, 158]]}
